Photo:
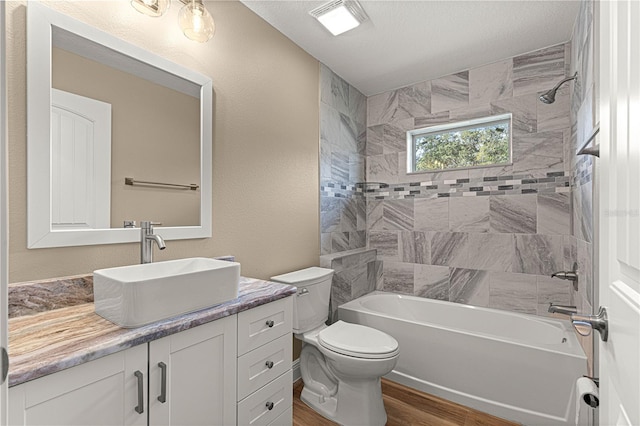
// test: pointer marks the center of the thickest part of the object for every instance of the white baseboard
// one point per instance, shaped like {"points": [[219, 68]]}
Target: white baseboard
{"points": [[296, 370]]}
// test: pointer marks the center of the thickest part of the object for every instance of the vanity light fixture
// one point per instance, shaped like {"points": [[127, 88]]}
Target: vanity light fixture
{"points": [[153, 8], [194, 19], [339, 16]]}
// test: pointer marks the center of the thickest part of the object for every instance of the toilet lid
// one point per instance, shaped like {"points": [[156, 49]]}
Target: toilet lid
{"points": [[357, 341]]}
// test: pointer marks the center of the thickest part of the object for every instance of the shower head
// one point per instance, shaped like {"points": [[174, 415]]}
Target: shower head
{"points": [[549, 97]]}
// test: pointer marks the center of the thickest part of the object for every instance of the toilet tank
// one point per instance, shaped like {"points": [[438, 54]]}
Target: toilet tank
{"points": [[311, 303]]}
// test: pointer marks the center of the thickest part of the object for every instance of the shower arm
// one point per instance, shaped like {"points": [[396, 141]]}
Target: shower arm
{"points": [[557, 86]]}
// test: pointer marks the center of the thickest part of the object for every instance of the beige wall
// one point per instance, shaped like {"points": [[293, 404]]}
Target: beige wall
{"points": [[155, 136], [265, 141]]}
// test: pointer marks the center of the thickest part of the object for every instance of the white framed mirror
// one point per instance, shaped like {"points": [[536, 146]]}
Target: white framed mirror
{"points": [[100, 112]]}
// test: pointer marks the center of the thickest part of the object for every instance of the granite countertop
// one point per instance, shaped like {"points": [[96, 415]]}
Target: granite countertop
{"points": [[44, 340]]}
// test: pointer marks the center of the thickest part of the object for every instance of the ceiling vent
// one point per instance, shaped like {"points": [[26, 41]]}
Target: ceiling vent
{"points": [[339, 16]]}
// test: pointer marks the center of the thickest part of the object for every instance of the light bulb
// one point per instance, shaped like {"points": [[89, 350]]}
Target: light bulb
{"points": [[196, 22], [153, 8]]}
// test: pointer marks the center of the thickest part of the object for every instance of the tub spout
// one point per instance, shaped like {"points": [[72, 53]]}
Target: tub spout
{"points": [[565, 275], [562, 309]]}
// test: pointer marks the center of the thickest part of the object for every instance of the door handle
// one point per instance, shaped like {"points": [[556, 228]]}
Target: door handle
{"points": [[5, 364], [140, 408], [163, 384], [585, 323]]}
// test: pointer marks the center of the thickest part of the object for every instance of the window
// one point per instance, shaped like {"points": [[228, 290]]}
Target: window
{"points": [[475, 143]]}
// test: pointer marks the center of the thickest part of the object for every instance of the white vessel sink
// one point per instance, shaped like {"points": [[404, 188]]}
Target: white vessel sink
{"points": [[132, 296]]}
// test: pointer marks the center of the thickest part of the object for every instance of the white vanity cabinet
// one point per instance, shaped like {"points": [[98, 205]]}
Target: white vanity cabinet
{"points": [[192, 376], [265, 380], [100, 392], [235, 370], [125, 388]]}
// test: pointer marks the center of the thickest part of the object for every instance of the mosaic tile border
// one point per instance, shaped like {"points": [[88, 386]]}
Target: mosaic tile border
{"points": [[492, 185], [583, 171], [340, 190]]}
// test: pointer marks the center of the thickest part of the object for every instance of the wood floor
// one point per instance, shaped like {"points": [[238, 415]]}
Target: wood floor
{"points": [[405, 407]]}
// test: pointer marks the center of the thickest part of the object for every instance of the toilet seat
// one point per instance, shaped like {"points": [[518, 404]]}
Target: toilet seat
{"points": [[357, 341]]}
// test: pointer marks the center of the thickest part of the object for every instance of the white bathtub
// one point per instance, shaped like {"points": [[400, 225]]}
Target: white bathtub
{"points": [[515, 366]]}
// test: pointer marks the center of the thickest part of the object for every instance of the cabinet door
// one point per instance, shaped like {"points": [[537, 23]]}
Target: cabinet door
{"points": [[199, 366], [100, 392]]}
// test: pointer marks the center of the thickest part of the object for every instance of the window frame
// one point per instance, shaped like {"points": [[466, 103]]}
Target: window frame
{"points": [[455, 127]]}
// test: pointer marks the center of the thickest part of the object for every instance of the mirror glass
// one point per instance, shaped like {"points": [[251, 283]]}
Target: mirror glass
{"points": [[115, 133]]}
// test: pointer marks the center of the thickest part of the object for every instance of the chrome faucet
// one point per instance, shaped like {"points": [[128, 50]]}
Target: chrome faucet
{"points": [[562, 309], [147, 237]]}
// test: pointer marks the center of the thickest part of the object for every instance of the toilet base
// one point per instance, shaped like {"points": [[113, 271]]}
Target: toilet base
{"points": [[358, 403], [342, 388], [326, 406]]}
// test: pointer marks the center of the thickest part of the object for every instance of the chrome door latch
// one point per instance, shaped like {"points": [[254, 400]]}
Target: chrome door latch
{"points": [[585, 323]]}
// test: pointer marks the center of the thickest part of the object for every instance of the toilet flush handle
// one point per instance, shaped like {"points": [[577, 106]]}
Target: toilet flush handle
{"points": [[303, 292]]}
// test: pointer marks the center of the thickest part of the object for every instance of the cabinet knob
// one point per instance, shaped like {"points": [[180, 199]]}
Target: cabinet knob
{"points": [[270, 323], [269, 406], [269, 364]]}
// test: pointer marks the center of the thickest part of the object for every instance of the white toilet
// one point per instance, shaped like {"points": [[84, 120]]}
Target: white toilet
{"points": [[341, 364]]}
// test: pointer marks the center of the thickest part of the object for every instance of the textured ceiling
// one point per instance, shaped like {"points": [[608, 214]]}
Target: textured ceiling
{"points": [[405, 42]]}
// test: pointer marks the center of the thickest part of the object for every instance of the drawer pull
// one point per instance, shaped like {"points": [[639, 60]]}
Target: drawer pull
{"points": [[270, 323], [269, 406], [269, 364], [140, 408], [163, 386]]}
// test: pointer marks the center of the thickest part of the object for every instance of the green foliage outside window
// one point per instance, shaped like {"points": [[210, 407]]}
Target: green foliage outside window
{"points": [[462, 148]]}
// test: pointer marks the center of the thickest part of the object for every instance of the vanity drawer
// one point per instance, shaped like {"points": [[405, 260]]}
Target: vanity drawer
{"points": [[263, 324], [284, 419], [255, 409], [253, 367]]}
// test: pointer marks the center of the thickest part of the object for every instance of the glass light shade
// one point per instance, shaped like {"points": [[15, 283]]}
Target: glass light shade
{"points": [[153, 8], [196, 22]]}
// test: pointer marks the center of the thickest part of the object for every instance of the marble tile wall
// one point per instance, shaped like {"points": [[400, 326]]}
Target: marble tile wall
{"points": [[583, 118], [495, 251], [486, 236], [342, 148], [357, 272], [541, 133]]}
